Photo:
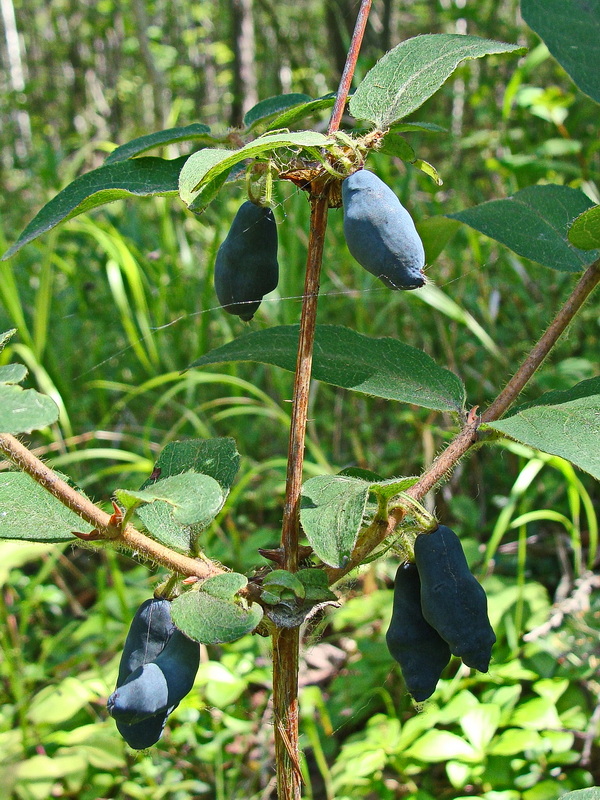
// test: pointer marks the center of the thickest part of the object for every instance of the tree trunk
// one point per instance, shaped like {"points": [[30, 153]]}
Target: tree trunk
{"points": [[244, 68]]}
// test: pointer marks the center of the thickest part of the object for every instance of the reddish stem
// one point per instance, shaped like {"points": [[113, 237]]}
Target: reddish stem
{"points": [[348, 73], [286, 642]]}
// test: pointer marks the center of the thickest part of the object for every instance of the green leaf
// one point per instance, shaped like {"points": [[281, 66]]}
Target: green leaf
{"points": [[392, 487], [281, 580], [217, 457], [210, 619], [142, 177], [363, 474], [204, 172], [479, 725], [29, 512], [272, 106], [295, 114], [427, 127], [25, 410], [380, 367], [201, 164], [397, 146], [436, 746], [5, 336], [429, 170], [516, 740], [56, 704], [316, 587], [13, 373], [571, 31], [536, 714], [331, 513], [196, 131], [225, 586], [592, 793], [585, 230], [435, 233], [534, 223], [194, 499], [413, 71], [564, 423]]}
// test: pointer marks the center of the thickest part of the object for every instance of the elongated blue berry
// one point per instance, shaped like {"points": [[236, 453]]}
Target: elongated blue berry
{"points": [[452, 600], [157, 670], [380, 232], [411, 640], [246, 267]]}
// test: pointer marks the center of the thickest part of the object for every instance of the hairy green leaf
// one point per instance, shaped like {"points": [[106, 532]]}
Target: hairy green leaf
{"points": [[211, 619], [585, 230], [217, 457], [196, 132], [204, 172], [331, 513], [194, 499], [29, 512], [534, 222], [292, 115], [380, 367], [412, 72], [272, 106], [564, 423], [25, 410], [571, 31], [143, 177]]}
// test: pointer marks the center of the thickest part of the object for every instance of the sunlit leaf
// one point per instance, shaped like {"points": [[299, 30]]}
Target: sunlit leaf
{"points": [[412, 72]]}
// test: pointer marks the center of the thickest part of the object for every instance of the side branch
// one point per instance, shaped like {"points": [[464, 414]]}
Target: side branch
{"points": [[467, 437], [129, 537], [588, 282]]}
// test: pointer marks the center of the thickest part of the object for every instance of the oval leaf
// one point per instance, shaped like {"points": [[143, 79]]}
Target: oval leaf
{"points": [[563, 423], [25, 410], [225, 586], [534, 223], [571, 31], [217, 457], [207, 167], [185, 133], [380, 367], [295, 114], [271, 106], [331, 513], [436, 746], [194, 499], [29, 512], [13, 373], [585, 230], [142, 177], [212, 620], [413, 71]]}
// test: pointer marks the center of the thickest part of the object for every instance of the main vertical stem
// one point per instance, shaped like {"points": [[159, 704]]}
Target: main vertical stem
{"points": [[286, 641]]}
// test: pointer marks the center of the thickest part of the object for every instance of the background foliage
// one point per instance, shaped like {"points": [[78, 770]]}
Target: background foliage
{"points": [[113, 306]]}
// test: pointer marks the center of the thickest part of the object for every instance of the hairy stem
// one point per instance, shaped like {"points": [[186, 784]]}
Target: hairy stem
{"points": [[286, 642], [104, 524], [348, 73]]}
